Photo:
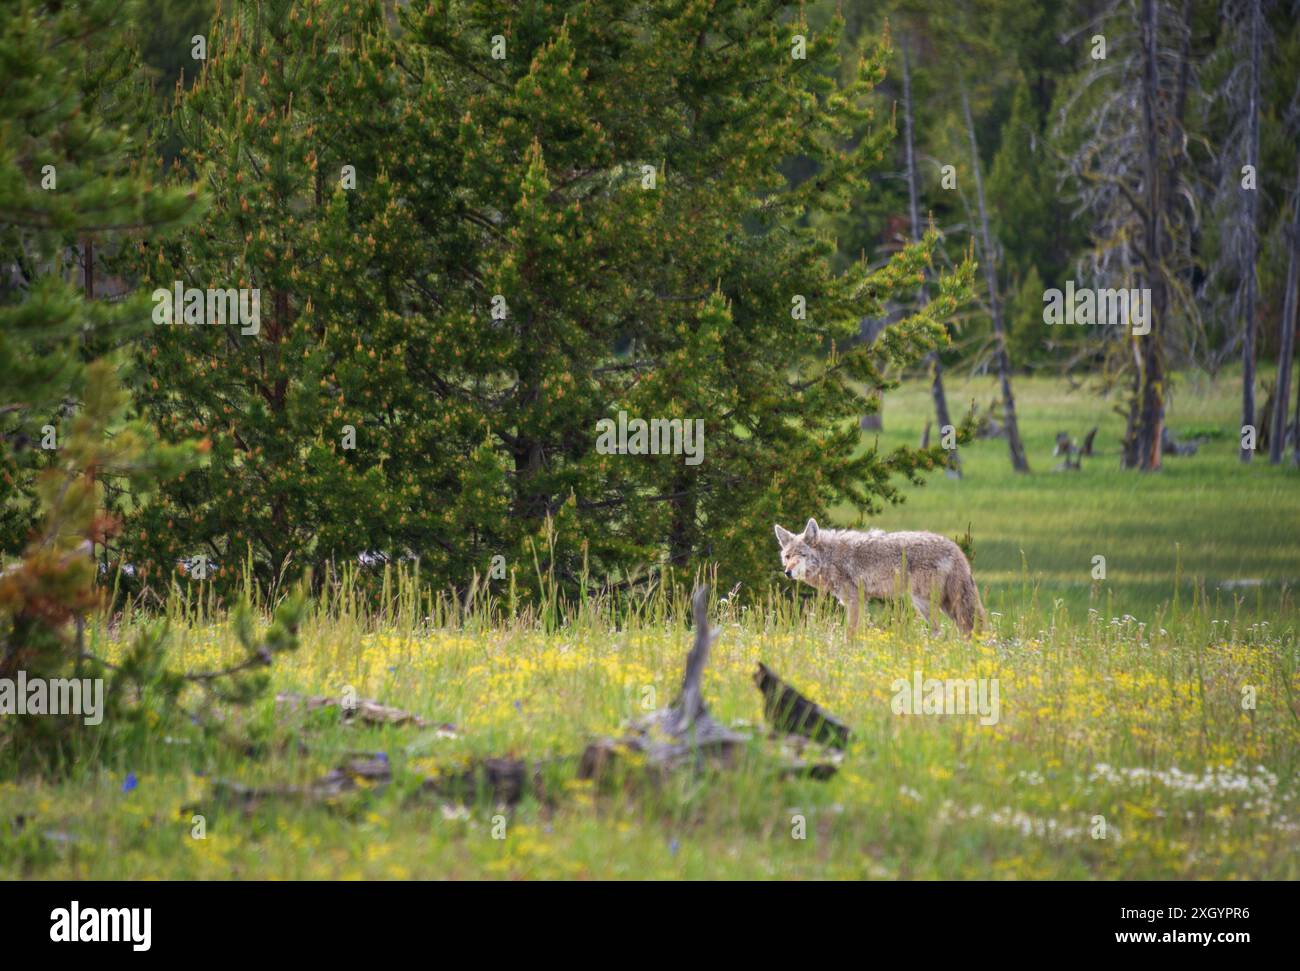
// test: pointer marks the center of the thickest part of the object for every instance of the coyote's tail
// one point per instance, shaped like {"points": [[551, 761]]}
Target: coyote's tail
{"points": [[962, 600]]}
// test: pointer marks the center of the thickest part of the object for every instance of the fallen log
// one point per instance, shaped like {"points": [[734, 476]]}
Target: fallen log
{"points": [[503, 781], [362, 768], [791, 713], [366, 710]]}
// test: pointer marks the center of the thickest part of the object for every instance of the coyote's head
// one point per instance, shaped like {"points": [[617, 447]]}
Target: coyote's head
{"points": [[800, 556]]}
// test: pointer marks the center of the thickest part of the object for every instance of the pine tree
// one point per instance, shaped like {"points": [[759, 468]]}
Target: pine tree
{"points": [[656, 263], [327, 439], [71, 189], [1027, 337], [561, 215], [1032, 225]]}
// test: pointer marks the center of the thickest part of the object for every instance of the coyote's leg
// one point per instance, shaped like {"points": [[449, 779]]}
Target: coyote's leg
{"points": [[922, 606], [851, 603], [954, 614]]}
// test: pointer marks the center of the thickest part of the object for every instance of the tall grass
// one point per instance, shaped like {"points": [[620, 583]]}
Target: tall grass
{"points": [[1134, 726]]}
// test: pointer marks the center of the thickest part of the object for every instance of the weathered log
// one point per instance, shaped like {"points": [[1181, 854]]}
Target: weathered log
{"points": [[790, 712], [370, 768], [1171, 447], [366, 710], [503, 781]]}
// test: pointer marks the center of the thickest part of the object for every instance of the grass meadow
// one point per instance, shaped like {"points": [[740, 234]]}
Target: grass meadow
{"points": [[1229, 533], [1146, 729]]}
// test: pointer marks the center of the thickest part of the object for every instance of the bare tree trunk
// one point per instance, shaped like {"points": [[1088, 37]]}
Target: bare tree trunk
{"points": [[680, 535], [1277, 441], [1143, 448], [1014, 444], [88, 267], [936, 385], [1295, 442], [1252, 254]]}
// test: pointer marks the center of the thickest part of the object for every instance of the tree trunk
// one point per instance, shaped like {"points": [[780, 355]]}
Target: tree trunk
{"points": [[88, 267], [1295, 442], [1252, 254], [530, 503], [1014, 444], [1143, 449], [681, 533], [1277, 442], [936, 386]]}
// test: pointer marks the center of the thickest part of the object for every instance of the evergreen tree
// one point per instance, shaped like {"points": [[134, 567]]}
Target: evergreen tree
{"points": [[327, 440], [561, 214], [71, 188], [669, 231], [1032, 225]]}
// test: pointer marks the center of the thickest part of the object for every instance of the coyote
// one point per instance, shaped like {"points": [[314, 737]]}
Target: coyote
{"points": [[852, 564]]}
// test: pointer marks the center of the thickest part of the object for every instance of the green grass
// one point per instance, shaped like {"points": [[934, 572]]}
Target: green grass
{"points": [[1161, 745], [1110, 724], [1232, 532]]}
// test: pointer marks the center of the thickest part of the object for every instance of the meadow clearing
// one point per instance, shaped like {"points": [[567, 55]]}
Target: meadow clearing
{"points": [[1228, 532], [1147, 737]]}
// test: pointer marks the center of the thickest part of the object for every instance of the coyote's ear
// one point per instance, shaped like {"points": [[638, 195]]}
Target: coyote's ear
{"points": [[810, 531], [783, 536]]}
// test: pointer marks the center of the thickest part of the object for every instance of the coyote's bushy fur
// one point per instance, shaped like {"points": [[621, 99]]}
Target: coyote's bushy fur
{"points": [[853, 565]]}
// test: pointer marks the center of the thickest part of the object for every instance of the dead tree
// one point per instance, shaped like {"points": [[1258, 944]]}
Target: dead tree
{"points": [[1128, 170], [1287, 349], [1252, 243], [1065, 446], [1266, 414], [684, 731], [1145, 435], [1229, 288], [986, 422]]}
